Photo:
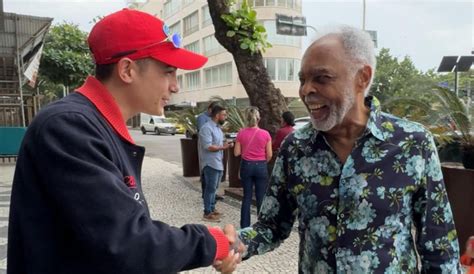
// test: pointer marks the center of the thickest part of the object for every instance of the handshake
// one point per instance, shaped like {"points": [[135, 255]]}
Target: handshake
{"points": [[236, 250]]}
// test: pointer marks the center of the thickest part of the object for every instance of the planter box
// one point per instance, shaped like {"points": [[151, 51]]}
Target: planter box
{"points": [[190, 157], [460, 187]]}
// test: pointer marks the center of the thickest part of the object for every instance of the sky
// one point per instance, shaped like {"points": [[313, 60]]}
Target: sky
{"points": [[425, 30]]}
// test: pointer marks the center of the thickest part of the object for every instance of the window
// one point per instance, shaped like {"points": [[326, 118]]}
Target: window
{"points": [[180, 81], [211, 46], [170, 7], [193, 80], [190, 23], [270, 64], [277, 39], [218, 75], [176, 27], [292, 4], [282, 69], [194, 46], [187, 2], [206, 16], [298, 5]]}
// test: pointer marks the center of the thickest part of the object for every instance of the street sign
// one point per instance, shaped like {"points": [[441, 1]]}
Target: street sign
{"points": [[291, 25]]}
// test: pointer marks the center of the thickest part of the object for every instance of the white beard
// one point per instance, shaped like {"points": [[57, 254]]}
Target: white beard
{"points": [[336, 115]]}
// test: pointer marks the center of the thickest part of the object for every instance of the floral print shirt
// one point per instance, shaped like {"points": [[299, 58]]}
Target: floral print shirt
{"points": [[365, 215]]}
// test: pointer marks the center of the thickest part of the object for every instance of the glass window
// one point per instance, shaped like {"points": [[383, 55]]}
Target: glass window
{"points": [[193, 80], [298, 5], [297, 69], [271, 68], [186, 2], [290, 4], [194, 46], [176, 27], [259, 3], [170, 7], [291, 70], [190, 23], [206, 16], [218, 75], [270, 2], [180, 81], [282, 70], [211, 45], [282, 3]]}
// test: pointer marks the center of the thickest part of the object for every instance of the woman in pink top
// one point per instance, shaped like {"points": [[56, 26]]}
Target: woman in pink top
{"points": [[255, 146]]}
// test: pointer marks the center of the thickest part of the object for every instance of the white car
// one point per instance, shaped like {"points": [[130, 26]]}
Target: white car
{"points": [[301, 122], [156, 124]]}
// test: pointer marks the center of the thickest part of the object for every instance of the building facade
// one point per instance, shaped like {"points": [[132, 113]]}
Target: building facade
{"points": [[219, 76]]}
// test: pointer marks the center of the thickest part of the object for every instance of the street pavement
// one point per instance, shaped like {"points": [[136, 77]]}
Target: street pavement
{"points": [[175, 200]]}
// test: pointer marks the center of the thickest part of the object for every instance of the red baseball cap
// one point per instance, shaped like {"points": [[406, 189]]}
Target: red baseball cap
{"points": [[136, 35]]}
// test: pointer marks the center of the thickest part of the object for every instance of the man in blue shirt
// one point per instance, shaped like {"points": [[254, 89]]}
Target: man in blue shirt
{"points": [[212, 146], [366, 186], [205, 116], [202, 119]]}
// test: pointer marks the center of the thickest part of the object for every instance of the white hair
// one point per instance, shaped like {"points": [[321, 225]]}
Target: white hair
{"points": [[357, 44]]}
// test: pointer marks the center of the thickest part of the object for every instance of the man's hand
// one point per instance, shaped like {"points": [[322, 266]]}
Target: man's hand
{"points": [[229, 264], [227, 145]]}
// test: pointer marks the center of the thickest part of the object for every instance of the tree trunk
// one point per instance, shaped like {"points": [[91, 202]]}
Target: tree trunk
{"points": [[252, 72]]}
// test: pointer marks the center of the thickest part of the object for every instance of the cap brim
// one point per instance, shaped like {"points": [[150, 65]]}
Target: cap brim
{"points": [[180, 58]]}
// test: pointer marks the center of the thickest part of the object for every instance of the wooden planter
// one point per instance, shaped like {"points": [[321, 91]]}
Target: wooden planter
{"points": [[460, 187], [190, 157]]}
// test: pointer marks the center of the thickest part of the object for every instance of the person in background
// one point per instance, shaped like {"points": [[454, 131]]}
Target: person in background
{"points": [[255, 146], [212, 143], [205, 116], [77, 203], [287, 123], [202, 119]]}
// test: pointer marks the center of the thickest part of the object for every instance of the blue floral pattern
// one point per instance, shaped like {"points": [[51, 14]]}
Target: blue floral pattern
{"points": [[361, 216]]}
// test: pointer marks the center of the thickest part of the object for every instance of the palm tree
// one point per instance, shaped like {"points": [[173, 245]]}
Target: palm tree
{"points": [[446, 115], [187, 118]]}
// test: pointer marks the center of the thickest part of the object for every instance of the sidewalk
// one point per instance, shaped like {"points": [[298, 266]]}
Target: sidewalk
{"points": [[176, 200]]}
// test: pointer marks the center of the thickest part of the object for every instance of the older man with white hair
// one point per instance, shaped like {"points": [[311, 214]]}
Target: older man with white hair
{"points": [[366, 186]]}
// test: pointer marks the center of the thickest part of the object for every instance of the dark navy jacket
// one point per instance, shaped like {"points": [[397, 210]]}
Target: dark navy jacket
{"points": [[77, 204]]}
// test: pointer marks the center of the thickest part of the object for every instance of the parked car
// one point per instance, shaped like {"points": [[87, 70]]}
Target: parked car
{"points": [[180, 129], [156, 124], [301, 122]]}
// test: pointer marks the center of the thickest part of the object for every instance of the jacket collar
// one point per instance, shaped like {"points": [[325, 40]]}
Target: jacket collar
{"points": [[98, 94]]}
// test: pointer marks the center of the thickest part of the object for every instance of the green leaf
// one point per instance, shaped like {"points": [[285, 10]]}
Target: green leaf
{"points": [[388, 126], [230, 33], [244, 46], [326, 181]]}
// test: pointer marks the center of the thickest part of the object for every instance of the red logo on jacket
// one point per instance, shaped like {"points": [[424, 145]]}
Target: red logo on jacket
{"points": [[130, 181]]}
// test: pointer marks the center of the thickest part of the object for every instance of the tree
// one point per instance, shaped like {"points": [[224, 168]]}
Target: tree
{"points": [[66, 59], [239, 32]]}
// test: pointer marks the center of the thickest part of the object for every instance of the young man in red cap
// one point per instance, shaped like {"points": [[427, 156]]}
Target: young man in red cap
{"points": [[77, 204]]}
